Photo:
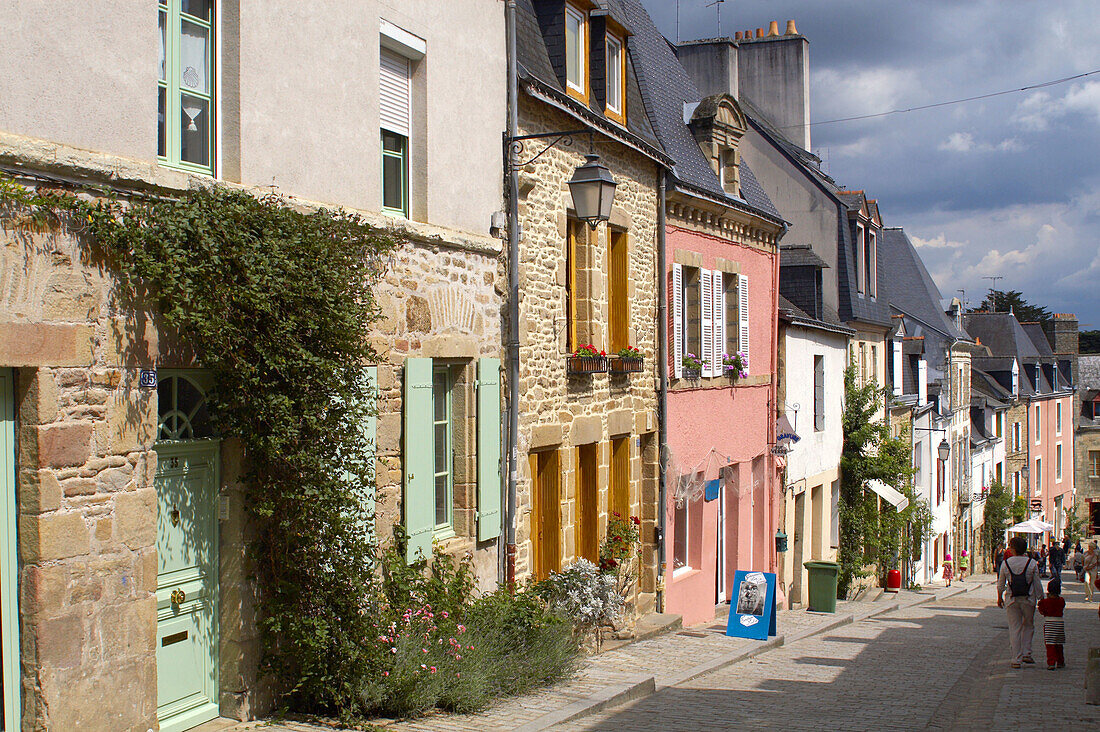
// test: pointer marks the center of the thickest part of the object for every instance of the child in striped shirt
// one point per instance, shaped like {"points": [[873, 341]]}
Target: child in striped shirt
{"points": [[1054, 628]]}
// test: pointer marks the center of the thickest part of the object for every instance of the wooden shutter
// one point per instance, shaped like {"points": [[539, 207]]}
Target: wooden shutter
{"points": [[618, 302], [620, 476], [706, 322], [677, 311], [394, 93], [488, 449], [719, 297], [572, 241], [419, 505], [743, 318]]}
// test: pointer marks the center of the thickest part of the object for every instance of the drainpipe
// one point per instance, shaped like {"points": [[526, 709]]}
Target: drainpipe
{"points": [[662, 390], [512, 183]]}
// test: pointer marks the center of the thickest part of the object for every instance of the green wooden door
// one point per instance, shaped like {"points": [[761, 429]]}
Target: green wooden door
{"points": [[187, 583], [9, 563]]}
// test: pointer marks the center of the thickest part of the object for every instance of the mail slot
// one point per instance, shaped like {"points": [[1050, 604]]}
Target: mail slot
{"points": [[174, 638]]}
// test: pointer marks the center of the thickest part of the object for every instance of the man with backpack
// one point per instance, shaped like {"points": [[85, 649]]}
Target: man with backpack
{"points": [[1018, 589]]}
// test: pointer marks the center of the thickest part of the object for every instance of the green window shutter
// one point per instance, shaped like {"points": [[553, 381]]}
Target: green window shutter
{"points": [[419, 504], [488, 448]]}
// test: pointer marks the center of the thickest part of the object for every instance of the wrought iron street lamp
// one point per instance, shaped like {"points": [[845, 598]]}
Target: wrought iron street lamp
{"points": [[593, 191], [944, 450]]}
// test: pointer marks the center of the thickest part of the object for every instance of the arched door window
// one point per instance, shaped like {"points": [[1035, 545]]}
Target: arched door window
{"points": [[182, 409]]}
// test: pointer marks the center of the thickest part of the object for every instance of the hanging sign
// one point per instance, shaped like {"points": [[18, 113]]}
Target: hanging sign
{"points": [[712, 489], [785, 436], [752, 611]]}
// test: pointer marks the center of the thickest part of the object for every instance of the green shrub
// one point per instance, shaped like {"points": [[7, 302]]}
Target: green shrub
{"points": [[580, 592]]}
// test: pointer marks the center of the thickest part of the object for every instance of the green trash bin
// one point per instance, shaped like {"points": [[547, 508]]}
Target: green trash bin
{"points": [[823, 579]]}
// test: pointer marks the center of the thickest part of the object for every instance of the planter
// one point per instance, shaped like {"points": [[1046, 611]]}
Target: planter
{"points": [[692, 374], [732, 374], [587, 364], [627, 365]]}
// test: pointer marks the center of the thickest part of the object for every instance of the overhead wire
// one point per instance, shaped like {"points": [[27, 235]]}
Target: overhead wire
{"points": [[1030, 87]]}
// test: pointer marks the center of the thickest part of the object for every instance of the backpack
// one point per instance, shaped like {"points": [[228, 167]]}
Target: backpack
{"points": [[1018, 583]]}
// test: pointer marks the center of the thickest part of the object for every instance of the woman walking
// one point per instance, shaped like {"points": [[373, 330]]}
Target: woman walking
{"points": [[1091, 559]]}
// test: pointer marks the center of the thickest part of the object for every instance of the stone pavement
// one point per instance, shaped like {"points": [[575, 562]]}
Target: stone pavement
{"points": [[939, 666], [650, 667]]}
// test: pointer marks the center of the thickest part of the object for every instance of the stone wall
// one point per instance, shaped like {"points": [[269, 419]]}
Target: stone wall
{"points": [[439, 300], [559, 411]]}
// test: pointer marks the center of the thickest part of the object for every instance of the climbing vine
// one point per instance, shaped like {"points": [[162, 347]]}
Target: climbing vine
{"points": [[872, 536], [275, 302]]}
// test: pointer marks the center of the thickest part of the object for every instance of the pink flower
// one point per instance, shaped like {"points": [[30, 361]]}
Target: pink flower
{"points": [[445, 614], [434, 669], [457, 675], [458, 657], [423, 666], [385, 673], [461, 628], [424, 649], [393, 650]]}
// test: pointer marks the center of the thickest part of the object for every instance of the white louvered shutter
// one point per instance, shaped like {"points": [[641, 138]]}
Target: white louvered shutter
{"points": [[719, 322], [394, 93], [706, 322], [743, 318], [677, 320]]}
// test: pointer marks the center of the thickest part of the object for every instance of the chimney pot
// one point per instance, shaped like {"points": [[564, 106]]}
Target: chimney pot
{"points": [[773, 29], [737, 36], [791, 30], [759, 32]]}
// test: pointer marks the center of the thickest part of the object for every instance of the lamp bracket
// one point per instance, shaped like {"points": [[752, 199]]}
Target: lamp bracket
{"points": [[516, 147], [929, 429]]}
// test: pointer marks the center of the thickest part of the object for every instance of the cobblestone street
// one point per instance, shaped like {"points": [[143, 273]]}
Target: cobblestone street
{"points": [[936, 666]]}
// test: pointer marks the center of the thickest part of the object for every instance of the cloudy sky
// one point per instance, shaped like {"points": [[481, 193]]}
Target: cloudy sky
{"points": [[1008, 186]]}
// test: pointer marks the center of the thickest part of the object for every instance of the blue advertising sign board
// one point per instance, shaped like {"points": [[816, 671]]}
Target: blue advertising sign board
{"points": [[752, 611]]}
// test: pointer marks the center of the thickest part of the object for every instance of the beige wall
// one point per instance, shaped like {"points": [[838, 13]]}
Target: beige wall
{"points": [[814, 531], [298, 94]]}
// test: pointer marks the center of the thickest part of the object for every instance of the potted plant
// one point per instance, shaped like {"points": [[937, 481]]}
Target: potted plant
{"points": [[629, 361], [736, 366], [587, 360], [692, 366]]}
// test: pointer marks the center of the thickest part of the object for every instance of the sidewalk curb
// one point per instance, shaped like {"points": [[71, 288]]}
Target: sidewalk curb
{"points": [[721, 662], [611, 696]]}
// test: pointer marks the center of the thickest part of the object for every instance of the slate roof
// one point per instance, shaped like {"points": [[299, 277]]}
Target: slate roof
{"points": [[1038, 338], [797, 316], [799, 255], [665, 87], [1002, 334], [905, 283]]}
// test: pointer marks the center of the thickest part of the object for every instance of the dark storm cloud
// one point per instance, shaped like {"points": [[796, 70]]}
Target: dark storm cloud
{"points": [[1004, 186]]}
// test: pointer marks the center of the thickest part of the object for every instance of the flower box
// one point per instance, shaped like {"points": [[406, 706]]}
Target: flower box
{"points": [[587, 364], [627, 365], [692, 374]]}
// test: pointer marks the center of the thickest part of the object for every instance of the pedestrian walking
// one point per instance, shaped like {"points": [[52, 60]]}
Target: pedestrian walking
{"points": [[948, 570], [1090, 562], [1042, 560], [964, 564], [1052, 608], [1018, 590], [1079, 565], [1057, 559], [998, 557]]}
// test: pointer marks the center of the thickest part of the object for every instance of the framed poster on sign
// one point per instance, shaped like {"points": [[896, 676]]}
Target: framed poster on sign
{"points": [[752, 610]]}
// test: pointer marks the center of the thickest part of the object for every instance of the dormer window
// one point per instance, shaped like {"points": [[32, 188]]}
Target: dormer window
{"points": [[576, 52], [615, 63], [729, 171]]}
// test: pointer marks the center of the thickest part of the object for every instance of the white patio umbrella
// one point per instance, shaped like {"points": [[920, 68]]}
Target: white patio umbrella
{"points": [[1031, 526]]}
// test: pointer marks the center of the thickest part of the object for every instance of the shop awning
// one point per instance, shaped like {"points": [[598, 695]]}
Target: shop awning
{"points": [[888, 494], [1033, 526]]}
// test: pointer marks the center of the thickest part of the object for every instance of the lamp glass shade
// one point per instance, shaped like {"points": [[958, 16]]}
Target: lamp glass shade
{"points": [[593, 191], [944, 450]]}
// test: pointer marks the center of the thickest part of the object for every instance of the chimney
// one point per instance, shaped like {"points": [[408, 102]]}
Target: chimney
{"points": [[759, 32], [712, 64], [922, 382], [773, 29], [775, 77], [737, 36]]}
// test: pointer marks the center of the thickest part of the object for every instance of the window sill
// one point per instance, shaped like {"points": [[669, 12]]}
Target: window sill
{"points": [[682, 572], [444, 533]]}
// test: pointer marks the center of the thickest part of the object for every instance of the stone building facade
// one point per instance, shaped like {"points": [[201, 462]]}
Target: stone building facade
{"points": [[88, 573]]}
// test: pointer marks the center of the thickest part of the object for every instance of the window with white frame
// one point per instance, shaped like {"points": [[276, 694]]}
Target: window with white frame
{"points": [[819, 393], [1058, 462], [1094, 463], [1038, 424], [1058, 418], [861, 260], [871, 264], [615, 62], [185, 86], [709, 318], [1015, 436], [918, 452], [395, 120], [576, 52], [680, 536], [1038, 476]]}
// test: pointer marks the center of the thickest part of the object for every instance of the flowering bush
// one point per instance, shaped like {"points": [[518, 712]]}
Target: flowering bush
{"points": [[691, 362], [588, 351], [736, 365], [619, 552], [584, 594], [629, 352]]}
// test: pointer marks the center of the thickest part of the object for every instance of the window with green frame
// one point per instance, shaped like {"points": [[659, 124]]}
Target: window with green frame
{"points": [[395, 173], [185, 93], [444, 453]]}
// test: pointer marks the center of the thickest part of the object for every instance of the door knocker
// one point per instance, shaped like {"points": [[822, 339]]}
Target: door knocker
{"points": [[178, 597]]}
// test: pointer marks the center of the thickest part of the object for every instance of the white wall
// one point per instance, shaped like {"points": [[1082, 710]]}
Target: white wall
{"points": [[820, 451]]}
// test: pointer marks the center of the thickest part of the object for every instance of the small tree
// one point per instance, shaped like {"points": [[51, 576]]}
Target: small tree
{"points": [[997, 516], [1075, 524], [870, 534]]}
